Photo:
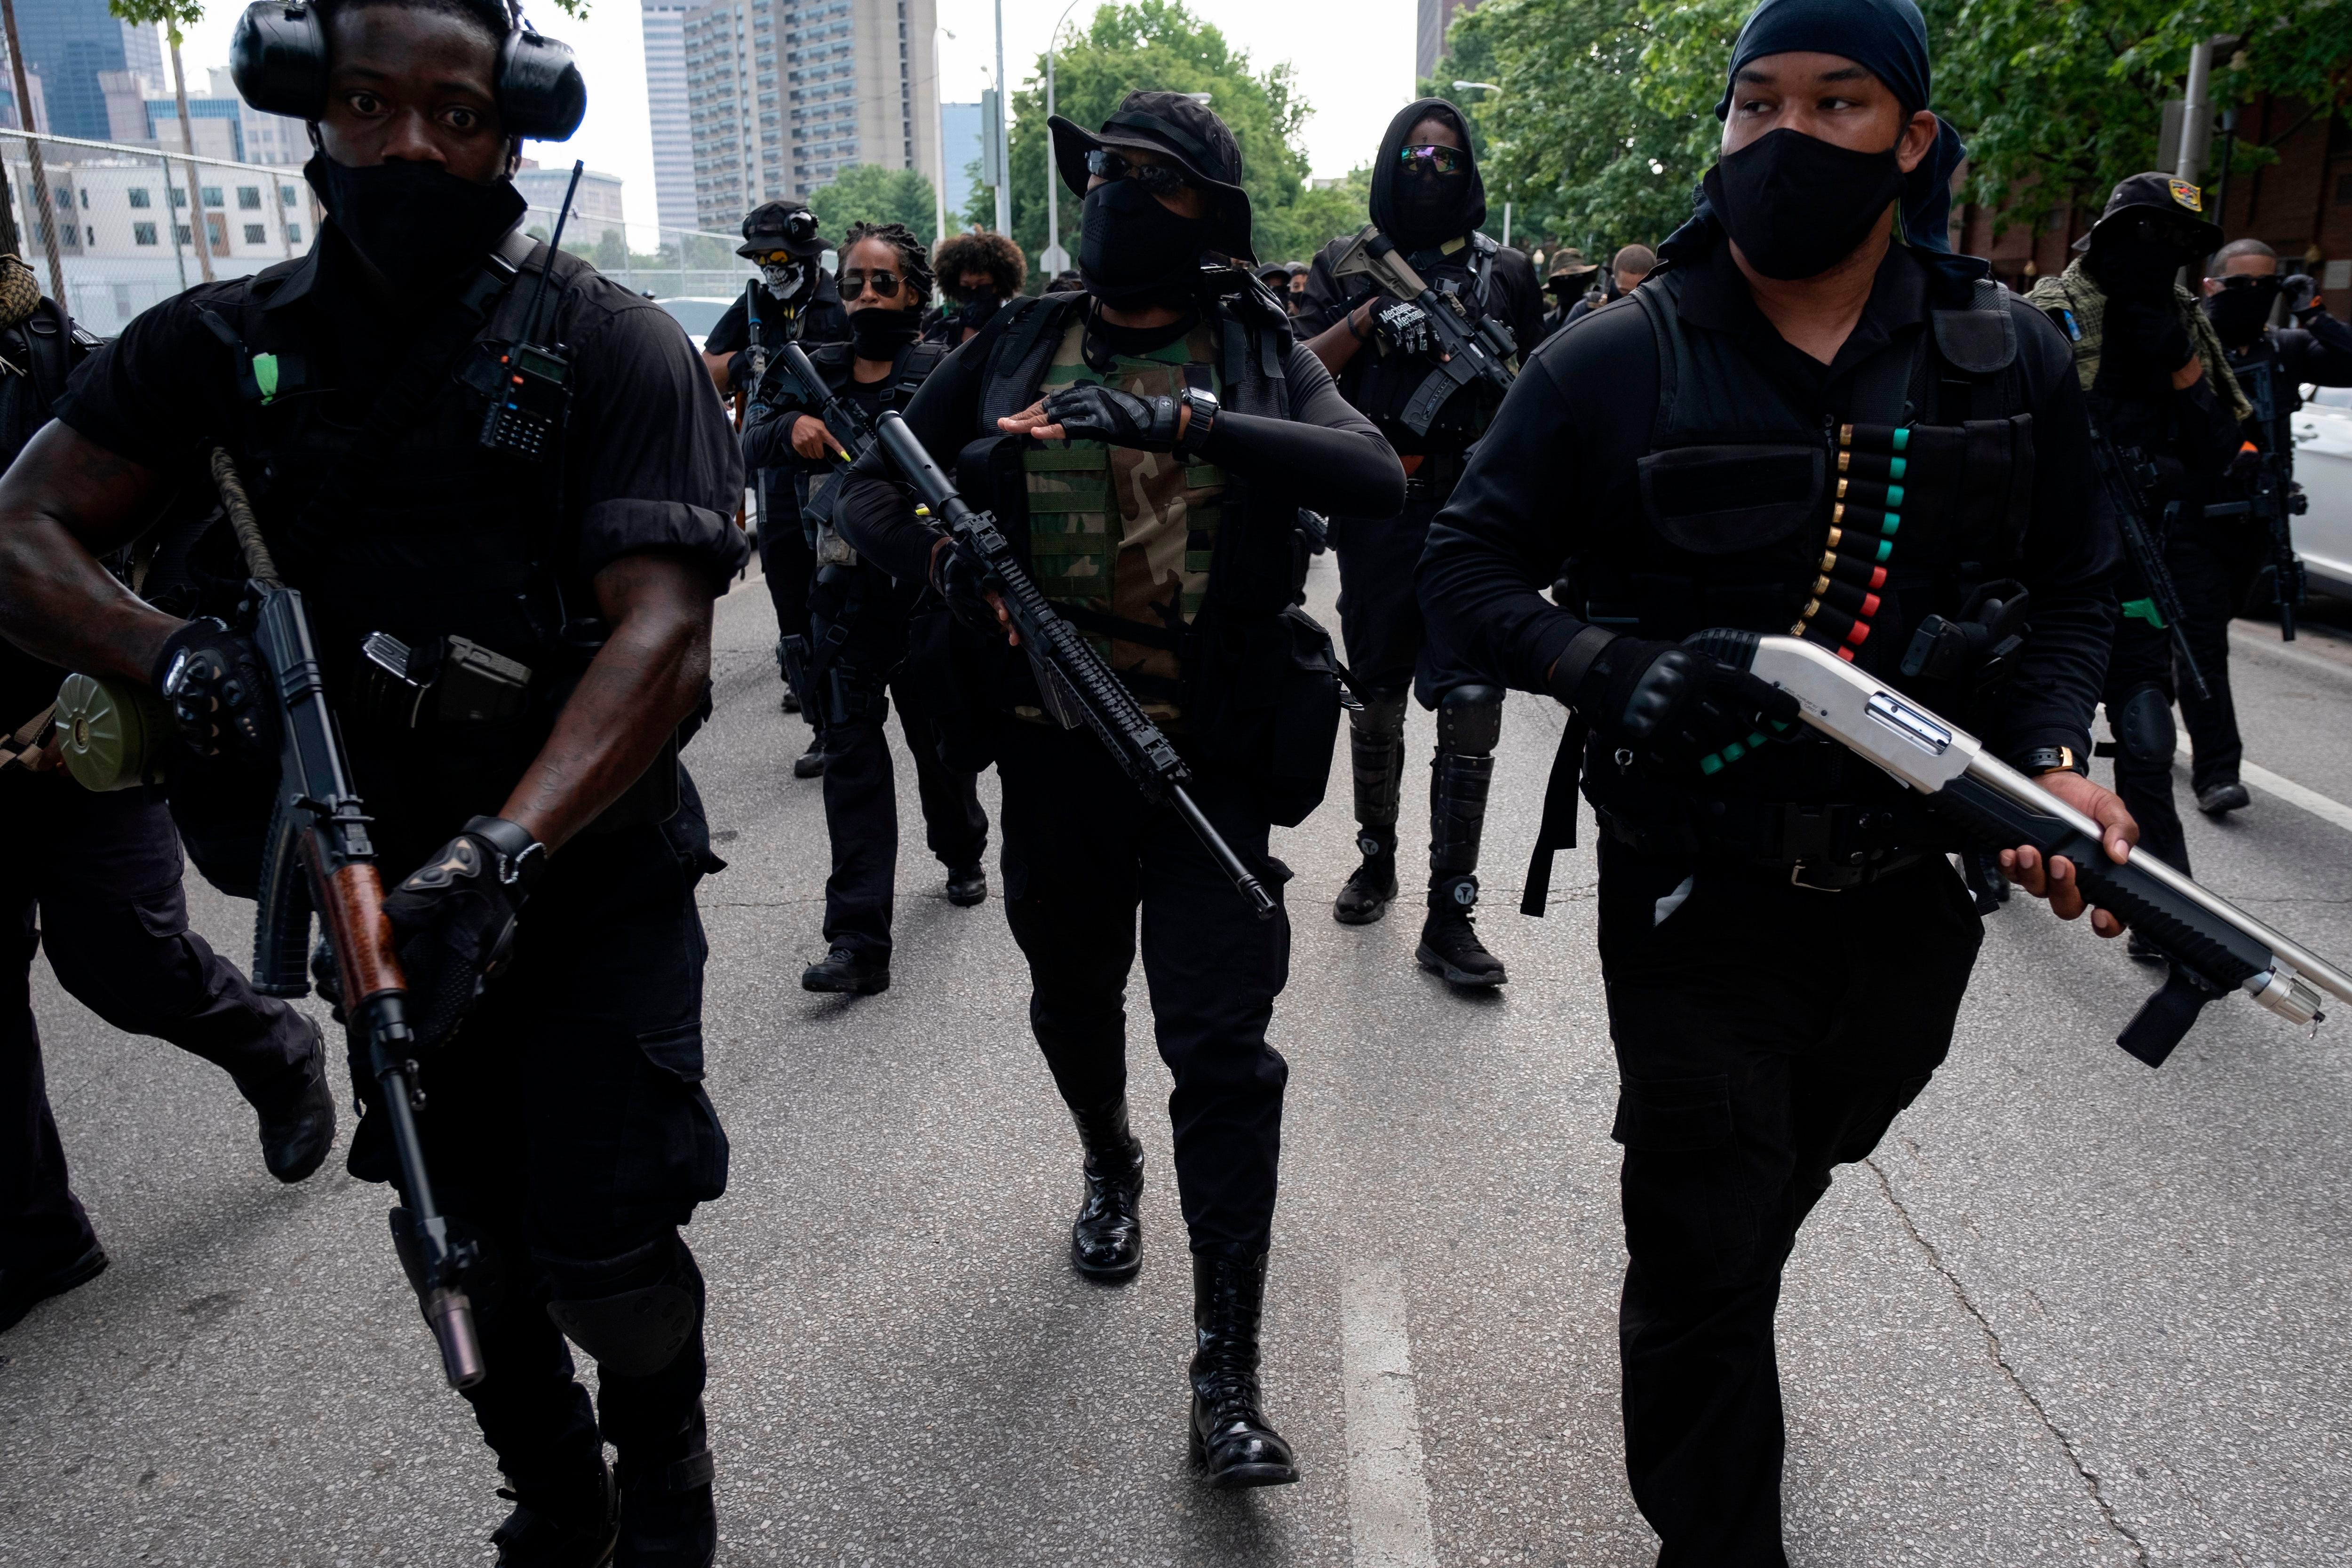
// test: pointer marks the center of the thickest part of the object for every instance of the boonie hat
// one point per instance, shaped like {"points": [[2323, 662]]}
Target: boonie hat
{"points": [[2158, 192], [1177, 126]]}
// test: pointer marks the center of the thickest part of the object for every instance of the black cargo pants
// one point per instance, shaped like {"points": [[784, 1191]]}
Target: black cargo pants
{"points": [[2213, 566], [100, 874], [1082, 855], [1765, 1034], [565, 1124]]}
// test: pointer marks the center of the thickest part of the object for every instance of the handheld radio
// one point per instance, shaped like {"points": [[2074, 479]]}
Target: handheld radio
{"points": [[533, 396]]}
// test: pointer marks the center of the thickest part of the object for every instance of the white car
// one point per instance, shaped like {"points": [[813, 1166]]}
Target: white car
{"points": [[698, 313], [2322, 466]]}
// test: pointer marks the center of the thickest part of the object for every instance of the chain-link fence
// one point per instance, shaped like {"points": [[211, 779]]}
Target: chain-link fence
{"points": [[107, 229]]}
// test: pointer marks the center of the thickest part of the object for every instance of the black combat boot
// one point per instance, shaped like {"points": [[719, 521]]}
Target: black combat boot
{"points": [[560, 1527], [1231, 1440], [809, 765], [967, 884], [1469, 723], [298, 1115], [2221, 799], [844, 970], [1376, 747], [1107, 1239]]}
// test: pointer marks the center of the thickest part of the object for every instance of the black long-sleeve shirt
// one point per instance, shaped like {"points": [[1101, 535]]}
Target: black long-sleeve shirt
{"points": [[1557, 469], [1324, 456]]}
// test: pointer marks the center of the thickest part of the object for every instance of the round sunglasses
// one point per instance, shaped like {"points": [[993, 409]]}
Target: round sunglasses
{"points": [[856, 281]]}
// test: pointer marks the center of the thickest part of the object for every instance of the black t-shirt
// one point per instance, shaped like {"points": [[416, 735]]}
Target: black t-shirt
{"points": [[823, 321], [1557, 469], [649, 462]]}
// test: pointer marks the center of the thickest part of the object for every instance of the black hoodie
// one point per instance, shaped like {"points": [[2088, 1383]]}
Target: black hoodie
{"points": [[1410, 228]]}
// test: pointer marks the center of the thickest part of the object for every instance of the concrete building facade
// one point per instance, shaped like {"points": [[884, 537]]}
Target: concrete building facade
{"points": [[1429, 32], [782, 95], [664, 23], [596, 209], [70, 43]]}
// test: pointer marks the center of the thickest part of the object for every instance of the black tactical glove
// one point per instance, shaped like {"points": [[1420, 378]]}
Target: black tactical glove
{"points": [[1405, 328], [2142, 344], [452, 920], [965, 586], [1672, 706], [214, 682], [2301, 293], [1090, 411]]}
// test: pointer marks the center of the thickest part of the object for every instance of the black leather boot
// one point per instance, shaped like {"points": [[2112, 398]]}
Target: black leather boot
{"points": [[1469, 723], [809, 765], [567, 1526], [298, 1116], [1107, 1238], [844, 970], [1231, 1440], [1376, 748], [968, 885]]}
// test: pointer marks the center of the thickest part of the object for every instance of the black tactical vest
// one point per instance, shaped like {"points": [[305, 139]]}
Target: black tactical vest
{"points": [[1751, 513], [1381, 386], [813, 488]]}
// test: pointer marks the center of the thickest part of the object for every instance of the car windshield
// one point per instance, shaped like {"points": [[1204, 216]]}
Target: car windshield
{"points": [[2329, 396], [696, 315]]}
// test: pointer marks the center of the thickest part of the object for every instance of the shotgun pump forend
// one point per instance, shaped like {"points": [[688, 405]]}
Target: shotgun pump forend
{"points": [[1074, 683], [2214, 946]]}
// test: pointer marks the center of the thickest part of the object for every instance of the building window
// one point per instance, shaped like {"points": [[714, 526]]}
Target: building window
{"points": [[250, 197], [285, 196], [65, 199], [183, 235], [211, 195], [293, 234], [143, 233], [85, 198], [140, 198], [255, 235], [179, 195]]}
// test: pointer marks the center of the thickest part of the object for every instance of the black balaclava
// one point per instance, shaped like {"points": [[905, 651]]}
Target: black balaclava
{"points": [[1460, 203], [2129, 268], [418, 224], [1134, 251], [2239, 315]]}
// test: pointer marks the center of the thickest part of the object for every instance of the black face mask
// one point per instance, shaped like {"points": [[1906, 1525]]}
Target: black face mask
{"points": [[1798, 206], [418, 224], [1134, 251], [879, 332], [2239, 315], [975, 313], [2134, 269], [1429, 209]]}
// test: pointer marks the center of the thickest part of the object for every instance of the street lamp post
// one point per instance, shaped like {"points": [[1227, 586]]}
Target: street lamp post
{"points": [[1054, 259], [939, 133], [1003, 142]]}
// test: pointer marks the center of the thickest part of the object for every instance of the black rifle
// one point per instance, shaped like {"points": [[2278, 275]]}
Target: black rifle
{"points": [[1074, 683], [2276, 499], [320, 827], [2127, 478], [838, 410], [1474, 349]]}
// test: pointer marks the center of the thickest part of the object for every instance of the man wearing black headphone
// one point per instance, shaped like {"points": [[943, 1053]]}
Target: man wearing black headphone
{"points": [[555, 838]]}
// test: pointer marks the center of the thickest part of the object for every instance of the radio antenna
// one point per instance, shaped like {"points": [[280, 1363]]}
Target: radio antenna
{"points": [[539, 295]]}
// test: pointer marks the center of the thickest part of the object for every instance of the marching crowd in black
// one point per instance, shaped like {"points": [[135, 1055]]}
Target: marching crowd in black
{"points": [[1800, 414]]}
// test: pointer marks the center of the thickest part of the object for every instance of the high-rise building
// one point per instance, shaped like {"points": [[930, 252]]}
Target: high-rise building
{"points": [[666, 106], [1429, 32], [959, 133], [596, 209], [143, 112], [69, 43], [782, 95]]}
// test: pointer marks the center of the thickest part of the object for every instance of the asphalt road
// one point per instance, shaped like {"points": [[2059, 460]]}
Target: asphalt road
{"points": [[2073, 1312]]}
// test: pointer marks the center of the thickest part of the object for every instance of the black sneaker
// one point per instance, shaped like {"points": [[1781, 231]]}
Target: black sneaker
{"points": [[967, 886], [792, 701], [2221, 799], [297, 1119], [1450, 947], [1369, 890], [22, 1290], [844, 970]]}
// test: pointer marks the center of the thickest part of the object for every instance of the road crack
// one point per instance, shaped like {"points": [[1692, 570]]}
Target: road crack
{"points": [[1999, 1354]]}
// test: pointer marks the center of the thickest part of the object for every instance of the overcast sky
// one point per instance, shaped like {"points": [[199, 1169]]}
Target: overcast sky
{"points": [[1354, 65]]}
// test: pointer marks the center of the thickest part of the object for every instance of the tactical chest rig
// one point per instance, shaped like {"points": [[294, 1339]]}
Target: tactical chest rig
{"points": [[1889, 536], [814, 486], [1384, 386]]}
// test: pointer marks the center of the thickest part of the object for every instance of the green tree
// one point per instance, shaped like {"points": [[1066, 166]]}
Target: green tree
{"points": [[1296, 232], [1159, 44], [869, 193]]}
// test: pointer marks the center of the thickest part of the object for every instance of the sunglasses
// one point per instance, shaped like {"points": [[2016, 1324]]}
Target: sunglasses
{"points": [[1158, 178], [1433, 159], [776, 258], [2249, 280], [854, 282]]}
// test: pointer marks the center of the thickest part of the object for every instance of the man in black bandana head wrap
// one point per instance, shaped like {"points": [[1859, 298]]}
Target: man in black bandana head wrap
{"points": [[1148, 439], [1811, 420], [1427, 197]]}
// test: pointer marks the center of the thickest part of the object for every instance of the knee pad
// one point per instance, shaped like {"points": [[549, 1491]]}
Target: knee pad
{"points": [[1381, 718], [632, 1312], [1470, 720], [2143, 728]]}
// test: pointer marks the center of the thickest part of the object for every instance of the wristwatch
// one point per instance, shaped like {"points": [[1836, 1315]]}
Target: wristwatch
{"points": [[2054, 760], [1197, 429]]}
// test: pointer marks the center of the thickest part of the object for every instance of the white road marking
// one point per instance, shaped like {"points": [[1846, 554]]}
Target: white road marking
{"points": [[2294, 793], [1387, 1496]]}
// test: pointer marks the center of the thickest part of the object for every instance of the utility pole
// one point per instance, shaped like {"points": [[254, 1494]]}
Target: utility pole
{"points": [[939, 133], [1003, 142], [1054, 259], [45, 225], [2196, 114]]}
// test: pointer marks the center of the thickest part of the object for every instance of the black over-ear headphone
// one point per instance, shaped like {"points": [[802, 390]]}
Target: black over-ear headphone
{"points": [[278, 61]]}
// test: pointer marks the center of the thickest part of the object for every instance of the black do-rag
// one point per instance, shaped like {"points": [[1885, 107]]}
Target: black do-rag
{"points": [[1889, 39], [1411, 232]]}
